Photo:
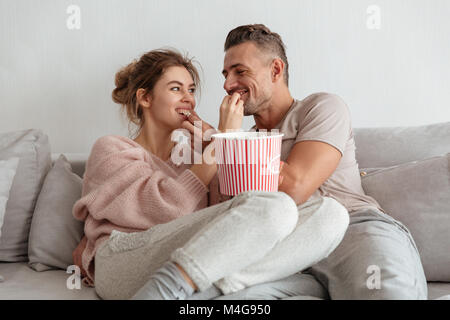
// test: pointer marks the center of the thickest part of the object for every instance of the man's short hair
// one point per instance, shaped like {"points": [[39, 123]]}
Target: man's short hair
{"points": [[264, 39]]}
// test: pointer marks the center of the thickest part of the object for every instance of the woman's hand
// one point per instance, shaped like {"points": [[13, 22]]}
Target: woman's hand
{"points": [[202, 134], [231, 113]]}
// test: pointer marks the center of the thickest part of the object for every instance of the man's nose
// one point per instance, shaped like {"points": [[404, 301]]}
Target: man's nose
{"points": [[230, 84]]}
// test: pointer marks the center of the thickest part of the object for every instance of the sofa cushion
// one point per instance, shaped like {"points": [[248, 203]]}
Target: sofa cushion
{"points": [[438, 290], [55, 233], [76, 160], [23, 283], [33, 149], [7, 172], [418, 195], [390, 146]]}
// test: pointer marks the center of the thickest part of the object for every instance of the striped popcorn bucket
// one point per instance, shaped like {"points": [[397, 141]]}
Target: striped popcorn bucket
{"points": [[247, 161]]}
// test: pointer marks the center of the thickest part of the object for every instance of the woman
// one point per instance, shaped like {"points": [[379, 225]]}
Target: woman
{"points": [[155, 229]]}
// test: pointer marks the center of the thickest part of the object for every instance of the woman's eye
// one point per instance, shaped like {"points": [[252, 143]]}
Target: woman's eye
{"points": [[175, 88], [192, 90]]}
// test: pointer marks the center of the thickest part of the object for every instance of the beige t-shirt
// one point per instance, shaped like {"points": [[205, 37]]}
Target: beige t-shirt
{"points": [[325, 117]]}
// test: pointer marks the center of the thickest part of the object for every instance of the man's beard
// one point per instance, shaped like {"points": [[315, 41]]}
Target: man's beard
{"points": [[252, 107]]}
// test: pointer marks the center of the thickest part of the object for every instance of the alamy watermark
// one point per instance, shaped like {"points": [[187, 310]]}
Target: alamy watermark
{"points": [[374, 280], [73, 21], [74, 281], [373, 21], [187, 142]]}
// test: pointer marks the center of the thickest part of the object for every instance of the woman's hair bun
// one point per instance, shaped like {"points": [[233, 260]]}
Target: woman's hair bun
{"points": [[121, 94]]}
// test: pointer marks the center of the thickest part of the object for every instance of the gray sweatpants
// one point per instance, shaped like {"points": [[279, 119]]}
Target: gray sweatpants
{"points": [[254, 238], [377, 259]]}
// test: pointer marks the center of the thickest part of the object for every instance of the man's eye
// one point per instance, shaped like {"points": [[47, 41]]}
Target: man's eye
{"points": [[240, 71]]}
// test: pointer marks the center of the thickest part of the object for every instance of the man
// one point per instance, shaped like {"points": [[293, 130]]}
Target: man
{"points": [[377, 259]]}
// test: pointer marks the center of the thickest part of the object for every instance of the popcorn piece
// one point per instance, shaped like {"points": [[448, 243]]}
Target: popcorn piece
{"points": [[186, 113]]}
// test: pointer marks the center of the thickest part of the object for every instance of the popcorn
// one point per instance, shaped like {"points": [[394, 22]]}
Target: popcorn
{"points": [[186, 113]]}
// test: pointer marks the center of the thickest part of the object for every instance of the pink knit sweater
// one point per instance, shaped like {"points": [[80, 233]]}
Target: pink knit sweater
{"points": [[128, 189]]}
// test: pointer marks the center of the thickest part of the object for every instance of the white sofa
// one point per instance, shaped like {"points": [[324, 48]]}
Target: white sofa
{"points": [[406, 169]]}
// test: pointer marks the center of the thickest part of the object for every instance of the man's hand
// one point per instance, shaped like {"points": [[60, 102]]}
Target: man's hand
{"points": [[280, 175], [231, 113]]}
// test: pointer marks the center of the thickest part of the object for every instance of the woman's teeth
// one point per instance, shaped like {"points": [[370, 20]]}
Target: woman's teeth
{"points": [[185, 112]]}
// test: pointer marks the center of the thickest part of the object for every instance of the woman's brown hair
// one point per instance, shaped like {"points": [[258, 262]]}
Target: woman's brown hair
{"points": [[144, 73]]}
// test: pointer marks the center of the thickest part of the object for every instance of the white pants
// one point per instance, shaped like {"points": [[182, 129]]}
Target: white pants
{"points": [[255, 237]]}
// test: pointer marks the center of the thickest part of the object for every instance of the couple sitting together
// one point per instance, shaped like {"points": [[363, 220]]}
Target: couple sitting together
{"points": [[155, 229]]}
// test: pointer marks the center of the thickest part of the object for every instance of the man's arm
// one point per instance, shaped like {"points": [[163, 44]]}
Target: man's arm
{"points": [[309, 164]]}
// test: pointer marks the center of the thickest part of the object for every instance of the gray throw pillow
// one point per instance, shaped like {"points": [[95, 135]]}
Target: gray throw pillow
{"points": [[33, 149], [390, 146], [55, 233], [8, 170], [418, 195]]}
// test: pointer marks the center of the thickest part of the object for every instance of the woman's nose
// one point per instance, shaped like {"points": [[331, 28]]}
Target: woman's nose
{"points": [[188, 97]]}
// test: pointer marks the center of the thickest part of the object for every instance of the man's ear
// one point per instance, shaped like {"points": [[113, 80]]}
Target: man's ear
{"points": [[143, 98], [277, 69]]}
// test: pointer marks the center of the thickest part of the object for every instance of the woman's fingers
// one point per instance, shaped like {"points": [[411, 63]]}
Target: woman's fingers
{"points": [[199, 129], [193, 116], [188, 126], [191, 128]]}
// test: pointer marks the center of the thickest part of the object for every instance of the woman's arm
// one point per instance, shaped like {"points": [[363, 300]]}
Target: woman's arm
{"points": [[127, 188], [206, 170], [77, 253]]}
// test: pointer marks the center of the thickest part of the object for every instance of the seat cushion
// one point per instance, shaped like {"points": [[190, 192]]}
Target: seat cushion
{"points": [[77, 161], [22, 282], [438, 290]]}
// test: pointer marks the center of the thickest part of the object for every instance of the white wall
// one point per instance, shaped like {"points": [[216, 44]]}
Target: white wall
{"points": [[60, 80]]}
